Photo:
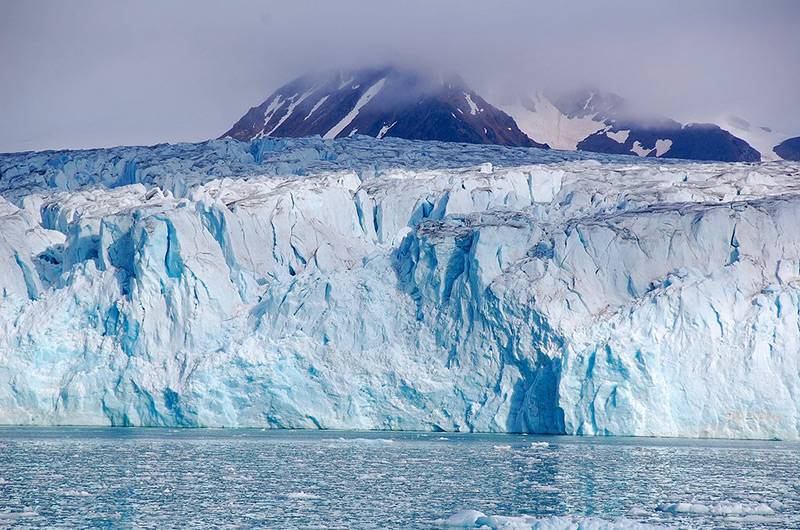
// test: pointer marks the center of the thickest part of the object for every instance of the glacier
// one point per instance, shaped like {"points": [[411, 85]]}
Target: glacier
{"points": [[401, 285]]}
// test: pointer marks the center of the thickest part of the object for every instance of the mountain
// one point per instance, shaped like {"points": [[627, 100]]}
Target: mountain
{"points": [[380, 102], [391, 102], [789, 149], [601, 122], [396, 284], [762, 139]]}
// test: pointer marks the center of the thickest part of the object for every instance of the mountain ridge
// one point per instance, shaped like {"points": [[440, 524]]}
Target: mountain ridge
{"points": [[388, 101], [603, 122]]}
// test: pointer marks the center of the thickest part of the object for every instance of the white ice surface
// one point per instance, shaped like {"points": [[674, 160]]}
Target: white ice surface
{"points": [[391, 284]]}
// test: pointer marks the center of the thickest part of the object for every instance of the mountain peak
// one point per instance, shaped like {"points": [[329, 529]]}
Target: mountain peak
{"points": [[378, 102]]}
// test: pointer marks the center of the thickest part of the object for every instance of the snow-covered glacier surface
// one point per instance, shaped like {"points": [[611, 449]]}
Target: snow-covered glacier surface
{"points": [[365, 284]]}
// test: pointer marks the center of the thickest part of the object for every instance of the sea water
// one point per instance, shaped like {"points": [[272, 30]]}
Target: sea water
{"points": [[165, 478]]}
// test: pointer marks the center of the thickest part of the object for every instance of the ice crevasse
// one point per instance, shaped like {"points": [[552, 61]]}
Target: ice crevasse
{"points": [[357, 284]]}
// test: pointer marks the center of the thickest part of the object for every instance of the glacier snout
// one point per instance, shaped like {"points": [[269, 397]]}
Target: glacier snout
{"points": [[543, 295]]}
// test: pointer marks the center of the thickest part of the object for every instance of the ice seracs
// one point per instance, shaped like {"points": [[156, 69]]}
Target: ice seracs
{"points": [[389, 284]]}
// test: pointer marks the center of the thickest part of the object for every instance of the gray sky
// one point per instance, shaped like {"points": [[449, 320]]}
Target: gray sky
{"points": [[81, 73]]}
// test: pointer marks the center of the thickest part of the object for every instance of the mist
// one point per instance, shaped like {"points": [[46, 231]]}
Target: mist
{"points": [[80, 74]]}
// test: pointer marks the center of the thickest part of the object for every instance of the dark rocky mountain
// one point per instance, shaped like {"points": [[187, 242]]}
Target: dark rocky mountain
{"points": [[387, 101], [380, 102], [670, 139], [592, 120], [789, 149]]}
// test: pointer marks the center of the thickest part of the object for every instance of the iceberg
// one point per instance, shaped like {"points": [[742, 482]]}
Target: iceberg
{"points": [[399, 285]]}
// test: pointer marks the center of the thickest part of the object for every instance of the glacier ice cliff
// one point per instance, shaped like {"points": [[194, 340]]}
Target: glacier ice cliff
{"points": [[358, 284]]}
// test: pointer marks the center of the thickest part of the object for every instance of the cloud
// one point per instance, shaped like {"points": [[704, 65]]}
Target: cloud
{"points": [[91, 73]]}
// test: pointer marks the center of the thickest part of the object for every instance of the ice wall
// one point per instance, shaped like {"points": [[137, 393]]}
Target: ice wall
{"points": [[318, 284]]}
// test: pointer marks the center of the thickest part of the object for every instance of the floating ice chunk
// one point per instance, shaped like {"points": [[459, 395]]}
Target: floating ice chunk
{"points": [[718, 508], [464, 519], [302, 495], [683, 507], [362, 441], [546, 487], [76, 493], [476, 519]]}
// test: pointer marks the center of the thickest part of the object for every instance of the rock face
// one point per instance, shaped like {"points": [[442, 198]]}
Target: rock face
{"points": [[696, 141], [365, 284], [380, 103], [603, 122], [789, 149]]}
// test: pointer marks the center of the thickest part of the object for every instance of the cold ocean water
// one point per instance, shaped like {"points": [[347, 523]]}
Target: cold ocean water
{"points": [[160, 478]]}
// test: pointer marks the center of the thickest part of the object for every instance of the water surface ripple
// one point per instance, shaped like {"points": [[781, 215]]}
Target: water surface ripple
{"points": [[161, 478]]}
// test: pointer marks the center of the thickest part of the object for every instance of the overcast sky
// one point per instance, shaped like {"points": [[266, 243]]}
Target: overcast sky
{"points": [[79, 73]]}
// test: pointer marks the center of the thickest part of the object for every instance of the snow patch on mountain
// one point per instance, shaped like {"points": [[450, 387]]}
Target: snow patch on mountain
{"points": [[544, 123], [640, 150], [317, 105], [618, 136], [385, 129], [276, 104], [473, 108], [348, 119], [763, 139], [294, 102]]}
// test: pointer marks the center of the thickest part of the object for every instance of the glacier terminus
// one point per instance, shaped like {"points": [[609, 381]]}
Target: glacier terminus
{"points": [[394, 284]]}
